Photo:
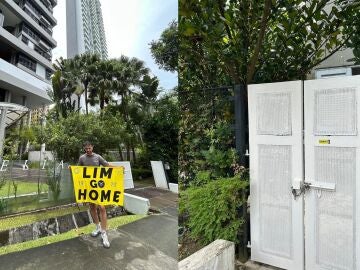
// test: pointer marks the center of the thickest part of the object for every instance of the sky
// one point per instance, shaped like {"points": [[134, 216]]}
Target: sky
{"points": [[130, 25]]}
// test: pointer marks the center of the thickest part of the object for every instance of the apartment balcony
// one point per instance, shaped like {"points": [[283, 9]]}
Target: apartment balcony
{"points": [[13, 7], [44, 46], [18, 45], [48, 10], [38, 17], [1, 19], [45, 21], [21, 83]]}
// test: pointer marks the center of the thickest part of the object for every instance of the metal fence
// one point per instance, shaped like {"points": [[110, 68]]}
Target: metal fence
{"points": [[26, 186]]}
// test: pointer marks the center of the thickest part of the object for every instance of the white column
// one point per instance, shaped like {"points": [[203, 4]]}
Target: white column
{"points": [[2, 129], [43, 122], [28, 125], [3, 122]]}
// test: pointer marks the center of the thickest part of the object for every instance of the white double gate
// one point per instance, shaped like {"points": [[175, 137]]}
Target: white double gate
{"points": [[305, 173]]}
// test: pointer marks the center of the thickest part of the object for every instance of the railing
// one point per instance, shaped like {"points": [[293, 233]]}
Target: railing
{"points": [[26, 186], [26, 62], [47, 4], [28, 31], [38, 17]]}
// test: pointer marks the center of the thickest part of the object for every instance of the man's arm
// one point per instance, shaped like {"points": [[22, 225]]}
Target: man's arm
{"points": [[103, 162]]}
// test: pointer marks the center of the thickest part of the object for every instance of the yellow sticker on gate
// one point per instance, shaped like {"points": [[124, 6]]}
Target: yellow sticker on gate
{"points": [[99, 185], [324, 141]]}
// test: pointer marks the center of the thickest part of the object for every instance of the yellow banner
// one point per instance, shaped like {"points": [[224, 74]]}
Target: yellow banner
{"points": [[99, 185]]}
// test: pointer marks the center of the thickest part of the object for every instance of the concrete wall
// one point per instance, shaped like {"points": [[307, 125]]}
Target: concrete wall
{"points": [[219, 255], [128, 178], [174, 187], [159, 174], [136, 205]]}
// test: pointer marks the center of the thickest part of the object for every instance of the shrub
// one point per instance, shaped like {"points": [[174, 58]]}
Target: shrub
{"points": [[140, 173], [213, 211], [53, 181]]}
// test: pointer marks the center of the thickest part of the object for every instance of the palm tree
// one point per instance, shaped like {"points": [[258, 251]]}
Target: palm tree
{"points": [[61, 94], [87, 72], [101, 88], [149, 92]]}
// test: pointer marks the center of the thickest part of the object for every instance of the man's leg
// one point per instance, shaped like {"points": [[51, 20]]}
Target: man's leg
{"points": [[95, 218], [103, 218]]}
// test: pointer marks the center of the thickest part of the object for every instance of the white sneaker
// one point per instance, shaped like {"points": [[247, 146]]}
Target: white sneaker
{"points": [[96, 232], [105, 240]]}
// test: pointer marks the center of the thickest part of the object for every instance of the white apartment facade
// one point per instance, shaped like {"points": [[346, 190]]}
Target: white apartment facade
{"points": [[85, 28], [26, 43]]}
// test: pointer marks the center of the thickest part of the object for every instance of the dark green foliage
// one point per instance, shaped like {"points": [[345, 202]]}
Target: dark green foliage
{"points": [[352, 27], [139, 173], [207, 137], [66, 136], [3, 206], [53, 180], [220, 156], [213, 211], [161, 134], [241, 42], [165, 50]]}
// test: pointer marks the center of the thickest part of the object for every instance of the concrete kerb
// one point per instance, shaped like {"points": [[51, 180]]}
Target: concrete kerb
{"points": [[219, 255]]}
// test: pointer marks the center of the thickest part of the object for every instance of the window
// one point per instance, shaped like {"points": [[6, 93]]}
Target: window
{"points": [[30, 32], [26, 62], [48, 74]]}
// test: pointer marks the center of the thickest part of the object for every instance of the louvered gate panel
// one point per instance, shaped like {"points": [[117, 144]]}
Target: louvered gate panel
{"points": [[275, 135], [332, 163]]}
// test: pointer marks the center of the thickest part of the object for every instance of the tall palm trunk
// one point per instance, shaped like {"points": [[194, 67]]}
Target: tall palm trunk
{"points": [[86, 98]]}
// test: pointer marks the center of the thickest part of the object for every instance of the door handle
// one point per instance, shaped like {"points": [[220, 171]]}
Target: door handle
{"points": [[320, 185]]}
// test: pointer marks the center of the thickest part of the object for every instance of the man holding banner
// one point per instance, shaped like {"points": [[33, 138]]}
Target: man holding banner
{"points": [[98, 185]]}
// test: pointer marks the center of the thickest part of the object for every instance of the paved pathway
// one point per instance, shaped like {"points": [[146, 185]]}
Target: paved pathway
{"points": [[149, 243]]}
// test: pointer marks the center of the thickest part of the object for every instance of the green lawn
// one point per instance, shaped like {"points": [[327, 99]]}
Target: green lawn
{"points": [[22, 188], [21, 220], [112, 224]]}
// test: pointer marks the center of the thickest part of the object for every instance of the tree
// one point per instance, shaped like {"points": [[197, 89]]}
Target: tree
{"points": [[352, 27], [66, 136], [284, 38], [86, 66], [61, 92], [165, 50], [149, 92], [161, 133], [102, 88], [223, 43]]}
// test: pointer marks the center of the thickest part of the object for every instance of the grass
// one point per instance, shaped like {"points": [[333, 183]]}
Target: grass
{"points": [[22, 188], [112, 224], [26, 219]]}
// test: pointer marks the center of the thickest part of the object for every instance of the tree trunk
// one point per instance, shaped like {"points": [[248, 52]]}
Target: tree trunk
{"points": [[86, 99], [79, 97], [128, 152], [255, 56], [102, 100], [121, 154], [134, 155]]}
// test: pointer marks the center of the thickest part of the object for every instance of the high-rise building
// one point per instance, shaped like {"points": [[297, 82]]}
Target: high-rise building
{"points": [[26, 43], [85, 28]]}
